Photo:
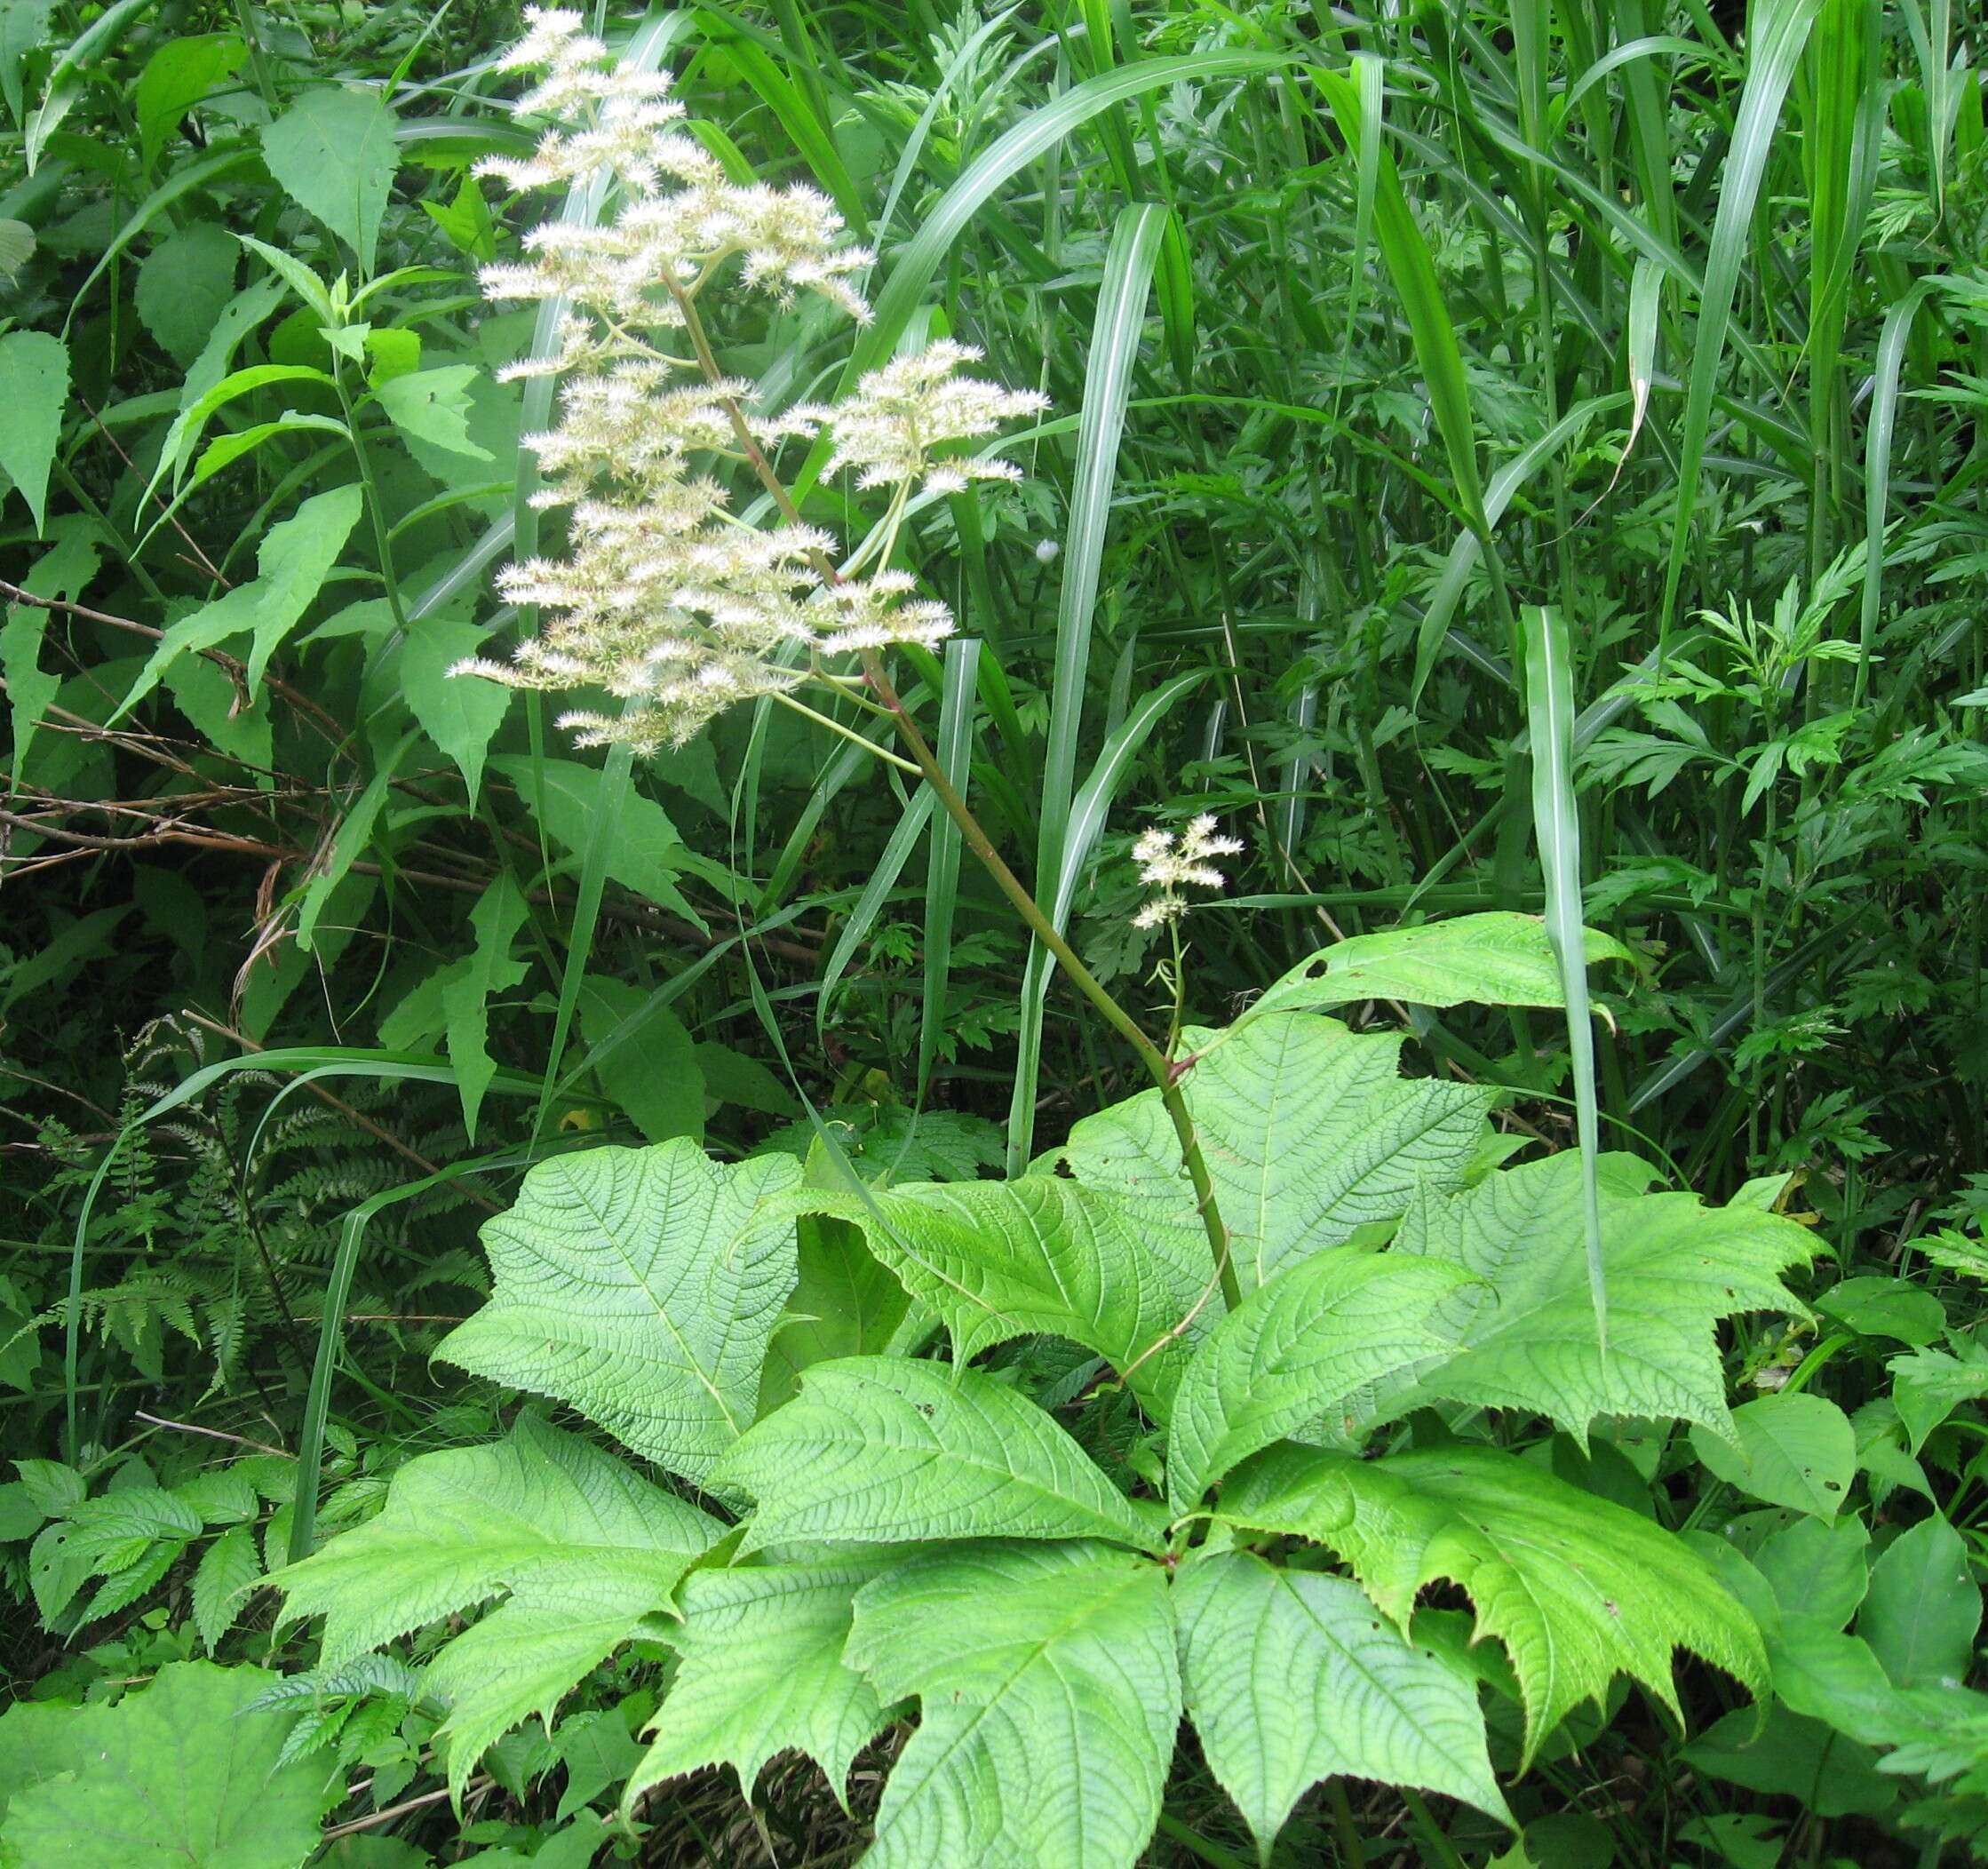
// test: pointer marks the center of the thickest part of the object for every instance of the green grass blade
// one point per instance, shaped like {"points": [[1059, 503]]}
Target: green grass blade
{"points": [[1088, 814], [1779, 28], [862, 918], [1877, 474], [1468, 547], [616, 778], [1034, 136], [1116, 332], [955, 749], [1556, 823], [1412, 268], [331, 1336]]}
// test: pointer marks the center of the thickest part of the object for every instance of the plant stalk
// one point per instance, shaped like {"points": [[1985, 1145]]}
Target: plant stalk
{"points": [[1164, 1070]]}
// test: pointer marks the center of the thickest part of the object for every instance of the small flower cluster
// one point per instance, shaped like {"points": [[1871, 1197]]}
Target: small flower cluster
{"points": [[1172, 864], [889, 429], [666, 599]]}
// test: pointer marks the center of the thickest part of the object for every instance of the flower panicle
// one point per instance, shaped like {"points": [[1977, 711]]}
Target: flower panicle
{"points": [[1171, 864], [666, 600]]}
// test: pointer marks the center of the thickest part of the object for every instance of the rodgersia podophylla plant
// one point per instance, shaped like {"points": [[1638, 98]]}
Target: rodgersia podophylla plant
{"points": [[667, 598]]}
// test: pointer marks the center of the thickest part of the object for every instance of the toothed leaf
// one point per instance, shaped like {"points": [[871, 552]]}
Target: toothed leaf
{"points": [[885, 1449], [1049, 1696], [1578, 1589], [641, 1285]]}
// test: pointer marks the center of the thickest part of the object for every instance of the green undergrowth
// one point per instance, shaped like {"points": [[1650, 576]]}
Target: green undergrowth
{"points": [[566, 1305]]}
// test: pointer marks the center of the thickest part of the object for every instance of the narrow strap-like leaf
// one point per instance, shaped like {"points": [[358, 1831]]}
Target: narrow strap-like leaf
{"points": [[1115, 343], [1556, 823]]}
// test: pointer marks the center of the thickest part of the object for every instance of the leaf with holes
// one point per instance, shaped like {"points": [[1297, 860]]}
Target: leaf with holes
{"points": [[641, 1285], [1794, 1450], [1491, 960]]}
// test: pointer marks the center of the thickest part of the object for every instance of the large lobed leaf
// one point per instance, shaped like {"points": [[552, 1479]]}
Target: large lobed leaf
{"points": [[641, 1285], [761, 1672], [999, 1260], [886, 1450], [1310, 1132], [183, 1772], [1319, 1332], [1292, 1677], [584, 1546], [1526, 1331], [1576, 1588], [542, 1506], [1050, 1695]]}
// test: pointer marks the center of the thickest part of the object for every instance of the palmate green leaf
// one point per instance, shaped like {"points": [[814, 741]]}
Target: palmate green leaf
{"points": [[1049, 1698], [1292, 1677], [760, 1672], [1320, 1331], [999, 1259], [539, 1511], [641, 1285], [1527, 1332], [1496, 959], [887, 1450], [1309, 1133], [1576, 1588], [178, 1774], [526, 1655]]}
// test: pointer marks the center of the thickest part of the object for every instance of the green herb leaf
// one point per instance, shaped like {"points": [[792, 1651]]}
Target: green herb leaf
{"points": [[1293, 1677], [1049, 1695], [639, 1285], [1578, 1589], [892, 1450]]}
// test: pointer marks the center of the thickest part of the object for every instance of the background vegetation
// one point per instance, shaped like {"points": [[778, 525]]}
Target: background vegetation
{"points": [[1364, 330]]}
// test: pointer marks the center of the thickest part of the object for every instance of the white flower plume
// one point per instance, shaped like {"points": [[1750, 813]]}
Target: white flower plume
{"points": [[893, 429], [1172, 864], [665, 599]]}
